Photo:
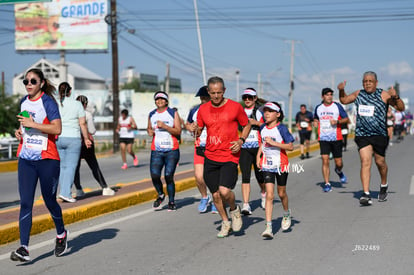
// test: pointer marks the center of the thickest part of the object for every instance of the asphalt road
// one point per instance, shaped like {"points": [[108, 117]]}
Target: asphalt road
{"points": [[111, 169], [331, 232]]}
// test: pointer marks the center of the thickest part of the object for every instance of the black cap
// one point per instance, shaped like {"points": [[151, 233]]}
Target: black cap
{"points": [[202, 92], [327, 90]]}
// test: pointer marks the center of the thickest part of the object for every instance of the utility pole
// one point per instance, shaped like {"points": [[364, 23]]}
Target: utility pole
{"points": [[115, 75], [167, 80], [259, 85], [292, 85], [200, 43], [238, 85]]}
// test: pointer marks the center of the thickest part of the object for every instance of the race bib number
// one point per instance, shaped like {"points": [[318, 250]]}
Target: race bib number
{"points": [[390, 123], [344, 131], [325, 125], [253, 136], [365, 110], [36, 142], [304, 124], [165, 144], [270, 162]]}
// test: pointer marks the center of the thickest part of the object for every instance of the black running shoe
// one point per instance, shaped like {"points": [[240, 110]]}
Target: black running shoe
{"points": [[61, 245], [302, 156], [172, 206], [382, 196], [365, 199], [158, 202], [21, 254]]}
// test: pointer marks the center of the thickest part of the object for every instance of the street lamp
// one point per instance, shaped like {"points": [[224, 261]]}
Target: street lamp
{"points": [[237, 84]]}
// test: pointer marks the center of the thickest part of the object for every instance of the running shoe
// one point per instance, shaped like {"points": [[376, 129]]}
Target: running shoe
{"points": [[108, 192], [327, 188], [136, 161], [341, 176], [61, 245], [236, 219], [246, 210], [172, 206], [286, 221], [213, 209], [79, 193], [263, 202], [383, 194], [268, 233], [204, 202], [365, 199], [307, 155], [21, 254], [302, 156], [124, 167], [66, 199], [225, 229], [157, 203]]}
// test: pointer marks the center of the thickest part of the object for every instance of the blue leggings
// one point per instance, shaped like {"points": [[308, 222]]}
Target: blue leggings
{"points": [[158, 161], [29, 172]]}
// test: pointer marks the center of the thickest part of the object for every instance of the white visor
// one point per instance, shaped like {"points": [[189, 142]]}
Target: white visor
{"points": [[249, 92], [271, 106], [160, 95]]}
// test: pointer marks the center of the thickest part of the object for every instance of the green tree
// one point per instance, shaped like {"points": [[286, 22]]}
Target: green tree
{"points": [[9, 108], [133, 85]]}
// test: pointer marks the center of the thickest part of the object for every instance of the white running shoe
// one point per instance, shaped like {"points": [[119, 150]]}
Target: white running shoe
{"points": [[286, 221], [246, 210], [108, 192]]}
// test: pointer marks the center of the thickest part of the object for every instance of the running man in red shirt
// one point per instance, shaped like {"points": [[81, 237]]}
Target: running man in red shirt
{"points": [[221, 116]]}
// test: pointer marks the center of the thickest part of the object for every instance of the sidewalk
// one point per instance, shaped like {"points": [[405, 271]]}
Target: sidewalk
{"points": [[94, 204]]}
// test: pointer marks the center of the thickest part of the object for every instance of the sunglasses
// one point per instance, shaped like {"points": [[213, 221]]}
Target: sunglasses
{"points": [[249, 97], [32, 81]]}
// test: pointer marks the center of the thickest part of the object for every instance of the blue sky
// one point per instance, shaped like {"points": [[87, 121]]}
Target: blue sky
{"points": [[334, 41]]}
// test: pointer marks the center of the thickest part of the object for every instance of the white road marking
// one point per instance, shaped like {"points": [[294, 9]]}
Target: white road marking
{"points": [[412, 186], [75, 234]]}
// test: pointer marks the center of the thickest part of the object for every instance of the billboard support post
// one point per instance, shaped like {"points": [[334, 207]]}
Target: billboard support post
{"points": [[63, 67]]}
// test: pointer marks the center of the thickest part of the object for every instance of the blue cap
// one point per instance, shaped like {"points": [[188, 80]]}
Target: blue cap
{"points": [[203, 92]]}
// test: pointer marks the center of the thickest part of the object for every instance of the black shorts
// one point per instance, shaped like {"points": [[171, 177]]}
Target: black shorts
{"points": [[304, 136], [281, 178], [334, 147], [220, 174], [379, 143], [247, 159], [126, 140]]}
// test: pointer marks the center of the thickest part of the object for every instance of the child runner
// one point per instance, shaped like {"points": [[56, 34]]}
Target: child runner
{"points": [[273, 161]]}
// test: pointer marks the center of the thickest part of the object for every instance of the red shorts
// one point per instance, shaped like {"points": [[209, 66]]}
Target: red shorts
{"points": [[198, 159]]}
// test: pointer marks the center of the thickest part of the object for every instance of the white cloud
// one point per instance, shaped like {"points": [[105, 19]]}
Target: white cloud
{"points": [[399, 69]]}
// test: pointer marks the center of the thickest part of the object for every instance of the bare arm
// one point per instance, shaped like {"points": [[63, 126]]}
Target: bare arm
{"points": [[343, 97], [84, 131], [54, 128], [150, 131], [175, 130], [284, 146], [393, 99], [258, 157], [236, 145]]}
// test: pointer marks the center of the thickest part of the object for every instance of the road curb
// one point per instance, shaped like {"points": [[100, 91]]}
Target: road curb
{"points": [[10, 232]]}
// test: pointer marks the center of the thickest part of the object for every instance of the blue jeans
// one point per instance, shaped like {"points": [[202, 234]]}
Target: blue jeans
{"points": [[69, 153], [158, 161]]}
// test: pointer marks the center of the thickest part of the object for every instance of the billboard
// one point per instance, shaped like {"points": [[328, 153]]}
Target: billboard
{"points": [[61, 25]]}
